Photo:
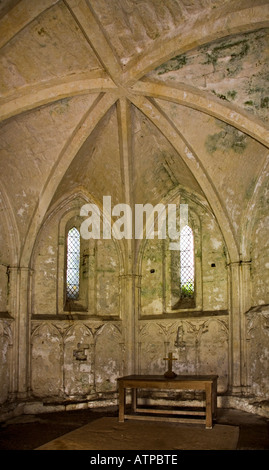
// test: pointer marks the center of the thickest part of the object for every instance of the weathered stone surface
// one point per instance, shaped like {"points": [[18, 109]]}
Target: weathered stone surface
{"points": [[146, 102]]}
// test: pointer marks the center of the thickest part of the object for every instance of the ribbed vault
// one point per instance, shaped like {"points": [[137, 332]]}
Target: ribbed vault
{"points": [[96, 95]]}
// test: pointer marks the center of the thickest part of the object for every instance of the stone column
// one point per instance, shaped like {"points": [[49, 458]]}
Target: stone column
{"points": [[235, 328], [245, 291], [12, 307], [128, 318], [128, 278], [239, 276], [19, 296]]}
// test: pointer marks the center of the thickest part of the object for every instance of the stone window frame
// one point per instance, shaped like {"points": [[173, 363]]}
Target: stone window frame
{"points": [[182, 300], [70, 219], [197, 305], [83, 306], [72, 292], [195, 302]]}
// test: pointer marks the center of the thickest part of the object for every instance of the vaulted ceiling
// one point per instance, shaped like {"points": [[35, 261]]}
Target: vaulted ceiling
{"points": [[134, 99]]}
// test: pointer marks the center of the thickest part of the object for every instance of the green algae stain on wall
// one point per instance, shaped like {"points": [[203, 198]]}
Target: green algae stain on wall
{"points": [[228, 138], [173, 64]]}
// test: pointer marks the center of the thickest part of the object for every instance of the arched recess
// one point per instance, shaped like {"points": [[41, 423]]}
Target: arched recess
{"points": [[154, 266], [162, 122], [87, 124], [50, 252], [158, 268]]}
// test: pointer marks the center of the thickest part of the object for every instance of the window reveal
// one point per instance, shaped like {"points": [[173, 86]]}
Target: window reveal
{"points": [[73, 264], [186, 262]]}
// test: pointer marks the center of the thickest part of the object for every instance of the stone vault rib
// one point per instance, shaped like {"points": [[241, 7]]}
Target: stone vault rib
{"points": [[183, 148]]}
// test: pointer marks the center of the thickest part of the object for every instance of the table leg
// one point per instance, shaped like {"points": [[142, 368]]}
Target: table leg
{"points": [[208, 394], [134, 399], [121, 402], [215, 399]]}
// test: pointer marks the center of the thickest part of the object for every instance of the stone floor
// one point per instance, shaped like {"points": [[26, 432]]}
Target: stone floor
{"points": [[31, 431]]}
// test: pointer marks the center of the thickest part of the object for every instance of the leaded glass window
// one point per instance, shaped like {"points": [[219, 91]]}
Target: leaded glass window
{"points": [[186, 262], [73, 263]]}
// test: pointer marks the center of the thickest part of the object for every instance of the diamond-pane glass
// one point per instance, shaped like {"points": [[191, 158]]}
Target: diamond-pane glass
{"points": [[73, 261], [186, 262]]}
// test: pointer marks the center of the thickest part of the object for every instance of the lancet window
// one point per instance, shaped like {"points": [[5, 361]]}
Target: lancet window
{"points": [[73, 264], [186, 262]]}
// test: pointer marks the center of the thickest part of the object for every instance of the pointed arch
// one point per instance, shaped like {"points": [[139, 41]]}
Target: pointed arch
{"points": [[87, 124], [168, 129]]}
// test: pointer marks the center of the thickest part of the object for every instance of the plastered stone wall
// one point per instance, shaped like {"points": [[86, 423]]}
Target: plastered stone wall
{"points": [[260, 247], [6, 343], [199, 347], [5, 257], [197, 335], [143, 101], [75, 359], [74, 354], [257, 330], [210, 269], [222, 68], [99, 269], [6, 320]]}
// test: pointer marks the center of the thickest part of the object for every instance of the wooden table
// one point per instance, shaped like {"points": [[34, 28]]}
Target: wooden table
{"points": [[207, 383]]}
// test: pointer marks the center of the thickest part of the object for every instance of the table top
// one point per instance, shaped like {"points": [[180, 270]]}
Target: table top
{"points": [[162, 378]]}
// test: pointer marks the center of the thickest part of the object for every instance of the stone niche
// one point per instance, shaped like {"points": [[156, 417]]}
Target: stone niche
{"points": [[197, 334], [99, 269], [160, 271], [76, 349]]}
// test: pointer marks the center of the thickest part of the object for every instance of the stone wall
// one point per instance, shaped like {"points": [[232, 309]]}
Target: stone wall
{"points": [[164, 100], [78, 354]]}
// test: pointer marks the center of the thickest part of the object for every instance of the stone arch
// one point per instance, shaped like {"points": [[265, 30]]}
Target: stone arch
{"points": [[83, 130], [159, 118], [53, 251]]}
